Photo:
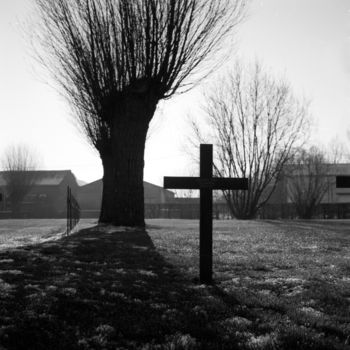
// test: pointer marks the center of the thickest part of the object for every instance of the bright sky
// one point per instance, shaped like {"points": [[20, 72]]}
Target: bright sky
{"points": [[308, 41]]}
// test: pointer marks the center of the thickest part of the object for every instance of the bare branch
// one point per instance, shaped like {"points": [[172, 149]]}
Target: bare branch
{"points": [[307, 180], [100, 50], [255, 121]]}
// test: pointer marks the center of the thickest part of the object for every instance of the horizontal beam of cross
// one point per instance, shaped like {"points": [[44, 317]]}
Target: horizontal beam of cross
{"points": [[215, 183]]}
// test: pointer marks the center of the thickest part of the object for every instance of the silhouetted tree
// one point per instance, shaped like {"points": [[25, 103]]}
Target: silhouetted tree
{"points": [[308, 180], [115, 60], [18, 163], [254, 122]]}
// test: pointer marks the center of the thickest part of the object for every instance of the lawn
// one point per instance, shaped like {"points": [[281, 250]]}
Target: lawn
{"points": [[278, 285], [14, 233]]}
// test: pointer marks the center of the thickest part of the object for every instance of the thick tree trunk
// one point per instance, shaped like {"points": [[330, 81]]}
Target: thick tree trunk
{"points": [[123, 194]]}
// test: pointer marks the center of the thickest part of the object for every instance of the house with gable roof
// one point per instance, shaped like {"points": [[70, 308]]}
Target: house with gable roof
{"points": [[46, 197]]}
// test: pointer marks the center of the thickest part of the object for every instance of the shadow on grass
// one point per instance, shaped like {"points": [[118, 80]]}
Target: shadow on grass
{"points": [[99, 290]]}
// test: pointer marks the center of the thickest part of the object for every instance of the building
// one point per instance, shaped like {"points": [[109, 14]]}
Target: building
{"points": [[47, 195], [335, 202], [90, 197]]}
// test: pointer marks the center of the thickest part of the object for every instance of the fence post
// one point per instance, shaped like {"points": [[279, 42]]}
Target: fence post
{"points": [[73, 211]]}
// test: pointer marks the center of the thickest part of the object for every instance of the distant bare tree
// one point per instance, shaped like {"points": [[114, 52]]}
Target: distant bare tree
{"points": [[337, 152], [307, 180], [115, 60], [18, 163], [254, 122]]}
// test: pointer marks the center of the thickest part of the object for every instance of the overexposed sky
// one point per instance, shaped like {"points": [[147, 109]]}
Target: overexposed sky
{"points": [[308, 41]]}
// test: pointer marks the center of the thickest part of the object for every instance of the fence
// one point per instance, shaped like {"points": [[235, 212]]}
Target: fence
{"points": [[322, 211], [183, 211], [73, 211], [221, 211]]}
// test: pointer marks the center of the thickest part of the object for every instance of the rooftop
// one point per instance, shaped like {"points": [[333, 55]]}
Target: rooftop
{"points": [[43, 177]]}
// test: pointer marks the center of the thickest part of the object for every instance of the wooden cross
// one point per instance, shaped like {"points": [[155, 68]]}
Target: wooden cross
{"points": [[206, 184]]}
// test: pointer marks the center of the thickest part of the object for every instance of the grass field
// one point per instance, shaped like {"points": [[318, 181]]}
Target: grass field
{"points": [[14, 233], [291, 276], [278, 285]]}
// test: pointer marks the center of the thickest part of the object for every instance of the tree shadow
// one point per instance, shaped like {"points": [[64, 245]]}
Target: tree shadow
{"points": [[101, 289]]}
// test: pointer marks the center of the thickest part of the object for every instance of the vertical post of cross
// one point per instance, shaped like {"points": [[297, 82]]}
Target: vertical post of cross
{"points": [[67, 210], [206, 216], [70, 210]]}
